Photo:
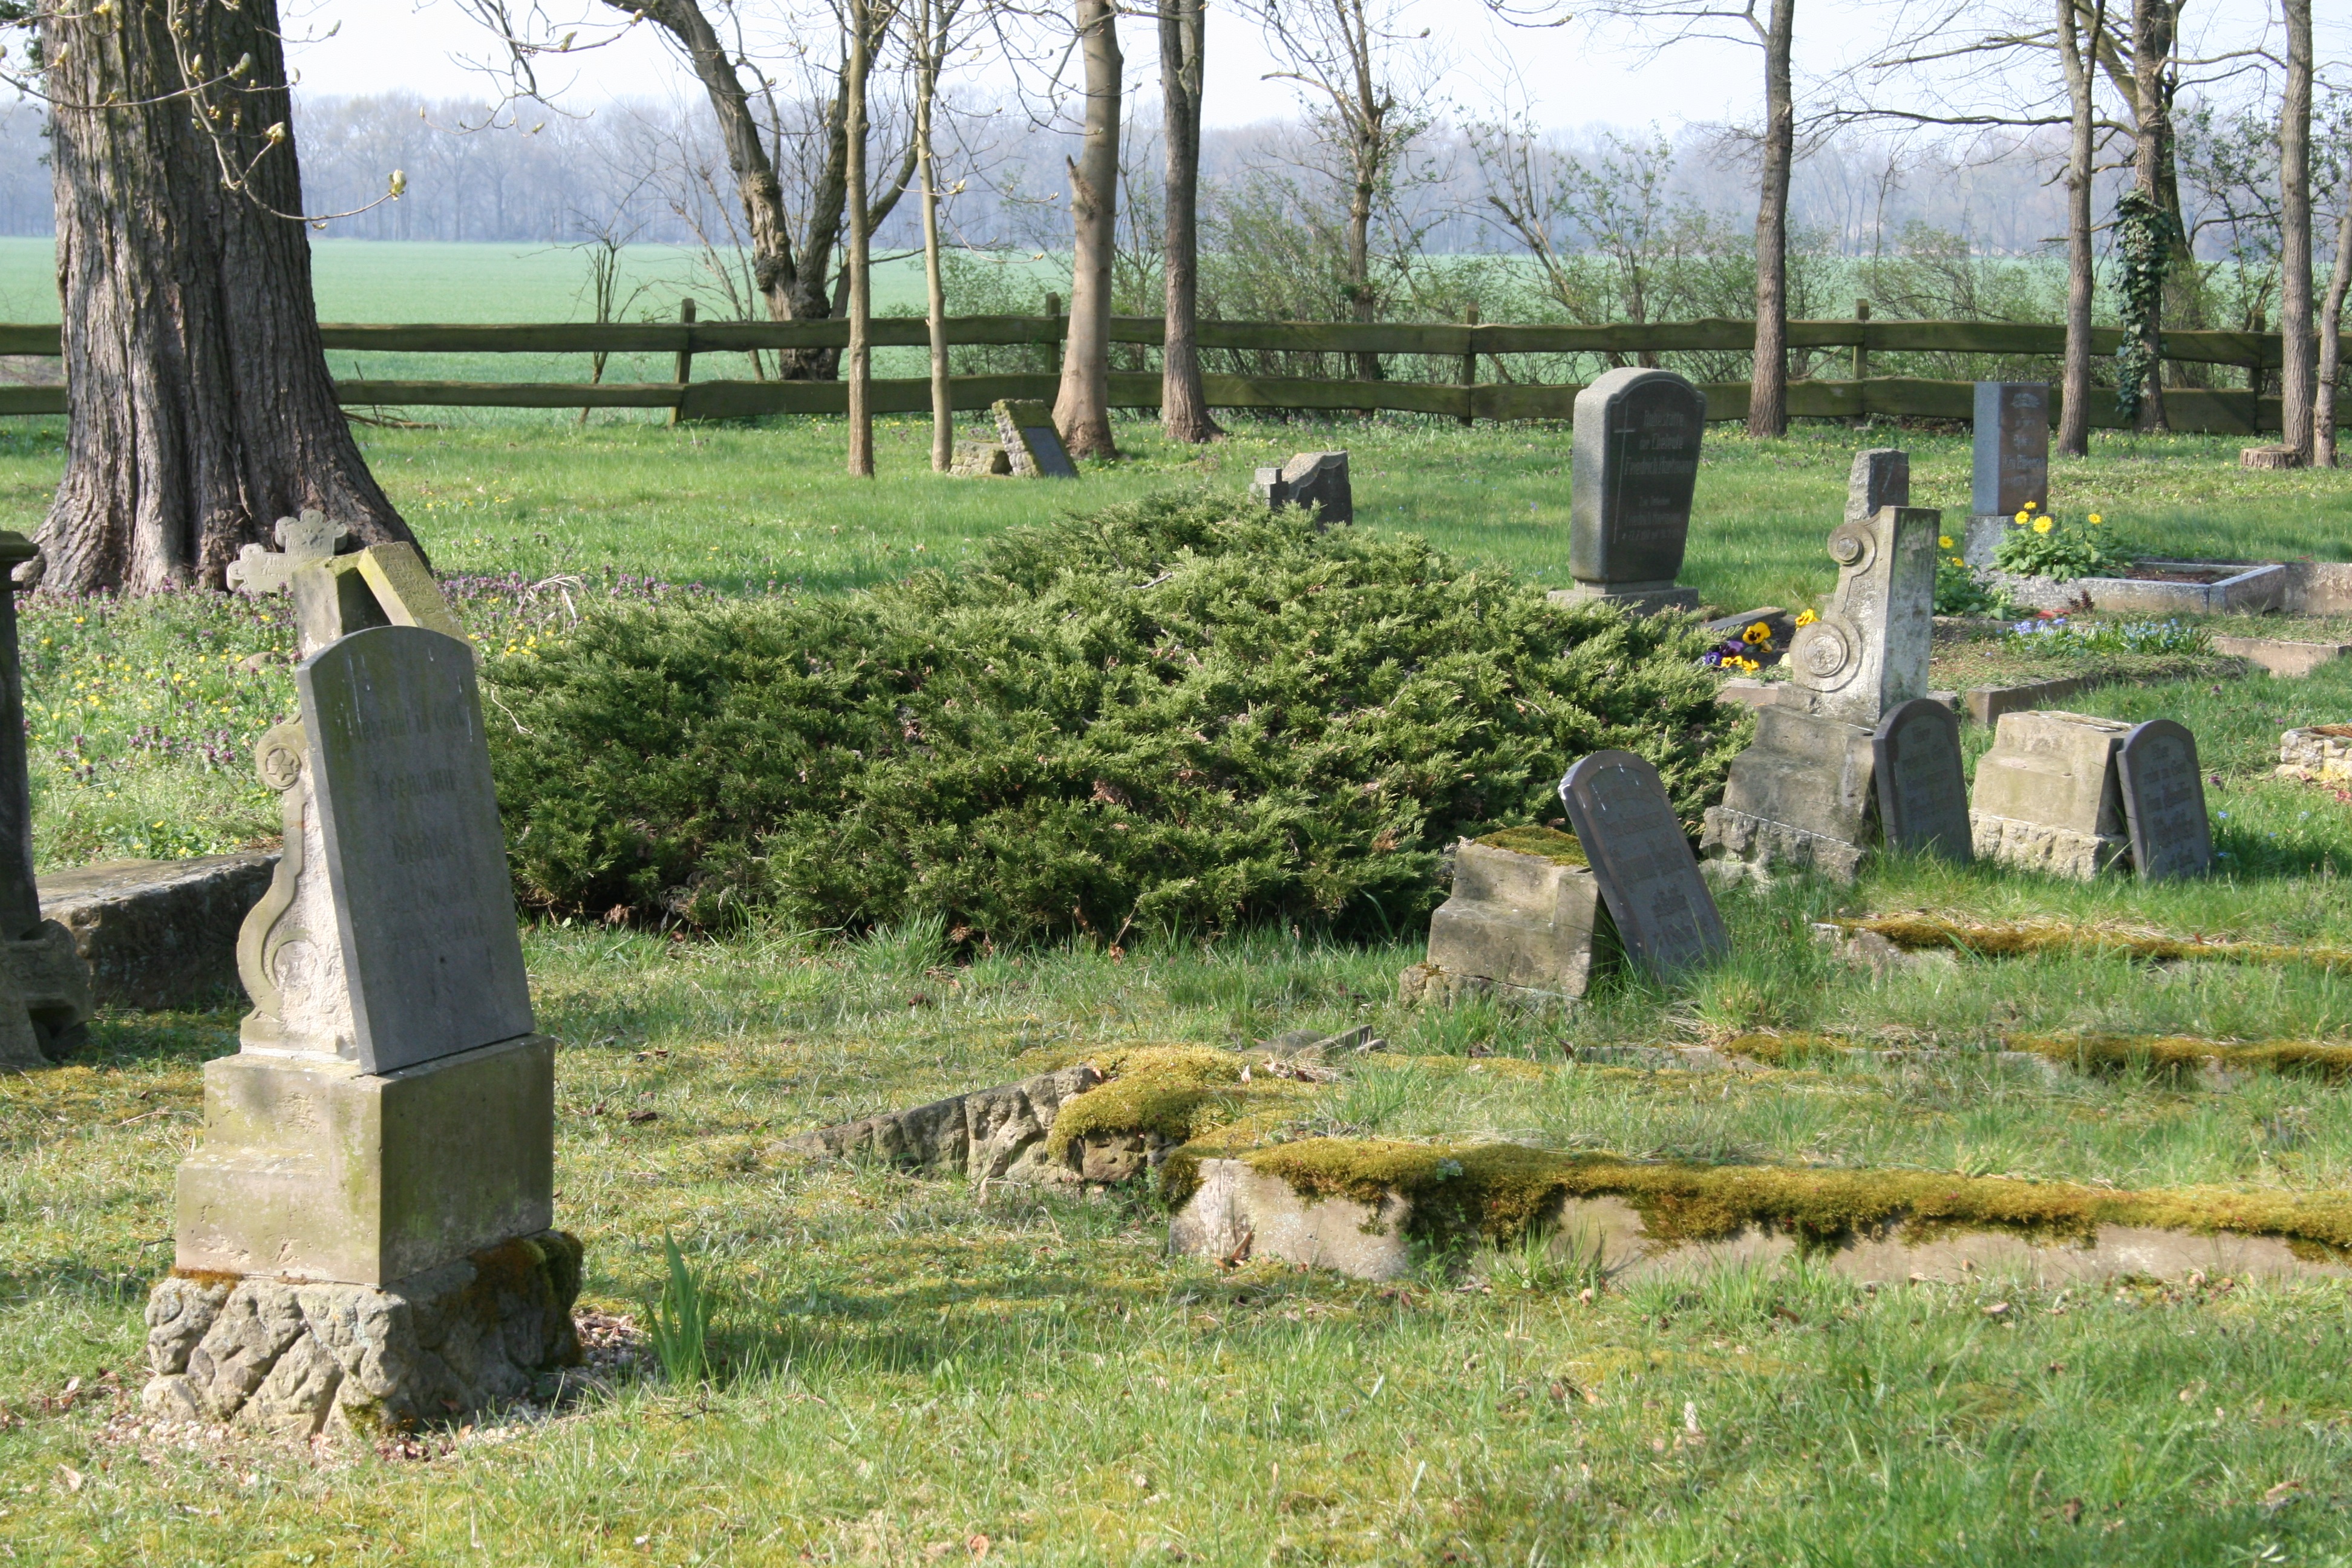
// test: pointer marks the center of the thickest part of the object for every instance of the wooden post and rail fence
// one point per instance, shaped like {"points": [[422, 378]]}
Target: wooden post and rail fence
{"points": [[1463, 344]]}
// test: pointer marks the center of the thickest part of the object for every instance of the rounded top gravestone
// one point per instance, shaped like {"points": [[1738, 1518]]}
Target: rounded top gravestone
{"points": [[1642, 861], [1635, 466], [2164, 800]]}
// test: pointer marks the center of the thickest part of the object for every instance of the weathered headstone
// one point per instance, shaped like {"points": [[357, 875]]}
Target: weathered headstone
{"points": [[2046, 796], [2012, 465], [1880, 477], [1660, 904], [1521, 920], [2164, 802], [363, 1233], [1801, 796], [1922, 789], [1633, 470], [1316, 481], [1033, 444], [45, 997]]}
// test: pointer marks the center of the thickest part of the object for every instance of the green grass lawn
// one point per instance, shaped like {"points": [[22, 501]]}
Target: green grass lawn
{"points": [[909, 1375]]}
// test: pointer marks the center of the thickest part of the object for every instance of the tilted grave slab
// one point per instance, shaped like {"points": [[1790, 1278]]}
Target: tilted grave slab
{"points": [[1922, 780], [2163, 793], [2046, 795], [1633, 470], [1642, 863], [1032, 442], [1317, 482], [1803, 796], [45, 997]]}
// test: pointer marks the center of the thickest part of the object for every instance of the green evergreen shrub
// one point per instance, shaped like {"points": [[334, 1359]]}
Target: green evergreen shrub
{"points": [[1181, 714]]}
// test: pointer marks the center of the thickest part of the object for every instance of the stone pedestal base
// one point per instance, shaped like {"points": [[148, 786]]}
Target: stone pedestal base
{"points": [[1983, 537], [290, 1358], [2040, 846], [45, 999], [1425, 984], [1633, 598], [1801, 799], [1526, 921]]}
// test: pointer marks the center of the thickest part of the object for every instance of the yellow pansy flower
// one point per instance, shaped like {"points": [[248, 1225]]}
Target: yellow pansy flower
{"points": [[1806, 617], [2040, 525]]}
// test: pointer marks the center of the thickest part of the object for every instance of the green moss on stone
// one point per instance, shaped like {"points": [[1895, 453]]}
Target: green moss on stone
{"points": [[1180, 1093], [1544, 843]]}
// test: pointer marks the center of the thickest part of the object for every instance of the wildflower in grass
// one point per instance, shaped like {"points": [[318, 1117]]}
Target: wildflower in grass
{"points": [[1944, 541], [2096, 520]]}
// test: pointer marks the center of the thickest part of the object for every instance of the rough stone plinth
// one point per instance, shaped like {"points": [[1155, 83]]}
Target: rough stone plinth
{"points": [[1032, 442], [1633, 600], [1523, 919], [1424, 984], [980, 460], [2320, 754], [2046, 796], [158, 933], [292, 1358], [1801, 798], [314, 1170], [997, 1134]]}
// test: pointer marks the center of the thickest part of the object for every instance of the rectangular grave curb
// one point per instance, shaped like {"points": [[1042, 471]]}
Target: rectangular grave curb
{"points": [[1238, 1212], [2263, 585], [158, 934]]}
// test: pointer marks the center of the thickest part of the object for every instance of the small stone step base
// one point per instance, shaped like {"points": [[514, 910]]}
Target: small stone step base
{"points": [[290, 1358]]}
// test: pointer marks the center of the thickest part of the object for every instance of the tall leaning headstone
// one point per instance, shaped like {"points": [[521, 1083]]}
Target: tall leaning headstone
{"points": [[44, 994], [2010, 470], [363, 1236], [1631, 475], [1803, 797]]}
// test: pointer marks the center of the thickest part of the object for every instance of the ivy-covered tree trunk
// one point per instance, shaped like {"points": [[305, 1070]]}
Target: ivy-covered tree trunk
{"points": [[201, 406], [2078, 38]]}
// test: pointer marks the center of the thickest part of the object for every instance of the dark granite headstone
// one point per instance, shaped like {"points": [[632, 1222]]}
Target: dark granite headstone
{"points": [[415, 858], [1923, 791], [2164, 800], [2012, 448], [1635, 465], [20, 901], [1642, 861]]}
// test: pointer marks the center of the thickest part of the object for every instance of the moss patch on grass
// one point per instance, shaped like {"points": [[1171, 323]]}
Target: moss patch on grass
{"points": [[1180, 1093], [1501, 1190], [1545, 843], [2178, 1055]]}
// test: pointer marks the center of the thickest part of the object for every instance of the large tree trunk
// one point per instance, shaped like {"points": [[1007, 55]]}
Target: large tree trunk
{"points": [[2075, 388], [2331, 340], [1082, 412], [2295, 369], [861, 286], [1183, 405], [2152, 169], [1768, 397], [202, 409]]}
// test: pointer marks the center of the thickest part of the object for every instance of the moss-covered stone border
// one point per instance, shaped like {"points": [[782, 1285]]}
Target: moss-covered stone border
{"points": [[1503, 1190], [1543, 843], [2173, 1055], [2011, 939]]}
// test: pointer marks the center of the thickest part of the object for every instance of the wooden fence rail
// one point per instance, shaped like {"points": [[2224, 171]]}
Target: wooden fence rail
{"points": [[2237, 412]]}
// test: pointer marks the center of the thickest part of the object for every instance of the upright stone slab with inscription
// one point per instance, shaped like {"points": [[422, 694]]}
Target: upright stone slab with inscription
{"points": [[1633, 468], [1801, 797], [44, 994], [1033, 444], [2164, 802], [2012, 466], [1922, 787], [363, 1234], [1880, 477], [1662, 911]]}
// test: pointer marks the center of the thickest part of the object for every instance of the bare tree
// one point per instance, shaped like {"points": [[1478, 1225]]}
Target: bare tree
{"points": [[2077, 38], [934, 21], [2331, 336], [862, 19], [2296, 372], [1082, 410], [1183, 405]]}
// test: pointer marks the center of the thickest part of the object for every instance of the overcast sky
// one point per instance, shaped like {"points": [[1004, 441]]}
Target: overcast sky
{"points": [[417, 47]]}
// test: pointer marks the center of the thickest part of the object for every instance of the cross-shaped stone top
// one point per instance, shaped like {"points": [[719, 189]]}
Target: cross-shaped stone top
{"points": [[301, 540]]}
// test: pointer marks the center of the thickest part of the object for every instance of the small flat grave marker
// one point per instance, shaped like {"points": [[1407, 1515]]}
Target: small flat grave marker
{"points": [[1923, 794], [2164, 802], [417, 862], [1647, 873]]}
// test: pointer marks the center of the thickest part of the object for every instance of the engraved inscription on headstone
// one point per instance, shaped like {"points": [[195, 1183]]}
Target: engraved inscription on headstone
{"points": [[2164, 800], [422, 899], [1923, 795], [2011, 448], [1032, 444], [1648, 876], [1636, 464]]}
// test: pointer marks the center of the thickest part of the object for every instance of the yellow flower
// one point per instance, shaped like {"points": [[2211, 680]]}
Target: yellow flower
{"points": [[1806, 617], [1959, 561], [2095, 519], [1944, 541], [2024, 514], [1757, 633], [2040, 525], [2032, 504]]}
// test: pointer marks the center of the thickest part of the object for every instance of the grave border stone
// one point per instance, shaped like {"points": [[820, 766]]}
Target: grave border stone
{"points": [[1953, 839], [1621, 869], [2155, 853]]}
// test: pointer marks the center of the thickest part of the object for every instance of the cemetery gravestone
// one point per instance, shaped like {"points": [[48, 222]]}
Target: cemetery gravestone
{"points": [[1521, 918], [1880, 477], [2012, 461], [363, 1235], [1801, 796], [1032, 443], [1316, 481], [2164, 802], [1923, 791], [2046, 796], [44, 994], [1660, 904], [1633, 470]]}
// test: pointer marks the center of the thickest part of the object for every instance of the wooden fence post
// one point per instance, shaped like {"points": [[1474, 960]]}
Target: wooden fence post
{"points": [[1861, 344], [1469, 361], [685, 359], [2254, 366], [1054, 315]]}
